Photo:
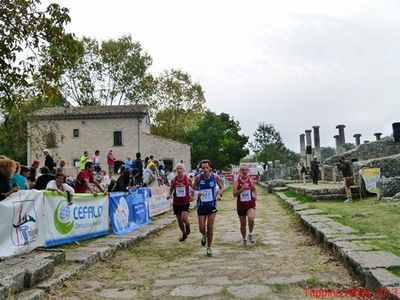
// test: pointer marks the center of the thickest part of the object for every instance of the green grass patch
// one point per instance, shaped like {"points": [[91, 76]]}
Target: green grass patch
{"points": [[368, 216], [301, 198], [395, 271]]}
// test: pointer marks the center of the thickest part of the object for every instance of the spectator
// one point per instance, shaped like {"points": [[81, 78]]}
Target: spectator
{"points": [[58, 185], [302, 171], [48, 161], [83, 160], [110, 162], [123, 182], [43, 179], [20, 177], [146, 162], [314, 166], [171, 176], [136, 179], [61, 168], [96, 159], [7, 167], [32, 173], [85, 178], [139, 166], [150, 177], [161, 165], [128, 163], [347, 173]]}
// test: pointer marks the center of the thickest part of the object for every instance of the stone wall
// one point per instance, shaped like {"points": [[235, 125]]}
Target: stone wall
{"points": [[376, 149]]}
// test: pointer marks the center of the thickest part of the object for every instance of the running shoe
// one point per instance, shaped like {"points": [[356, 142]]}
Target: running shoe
{"points": [[209, 252], [187, 229], [183, 238], [251, 238], [244, 242], [204, 240], [348, 200]]}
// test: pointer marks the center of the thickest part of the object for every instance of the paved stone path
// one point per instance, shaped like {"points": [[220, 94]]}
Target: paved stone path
{"points": [[281, 263]]}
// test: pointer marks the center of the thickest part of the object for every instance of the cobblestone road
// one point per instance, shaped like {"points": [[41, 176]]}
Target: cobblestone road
{"points": [[281, 263]]}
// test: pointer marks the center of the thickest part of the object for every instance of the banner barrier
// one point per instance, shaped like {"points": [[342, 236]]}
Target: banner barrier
{"points": [[22, 223], [86, 218], [158, 200], [129, 210], [371, 176], [33, 218]]}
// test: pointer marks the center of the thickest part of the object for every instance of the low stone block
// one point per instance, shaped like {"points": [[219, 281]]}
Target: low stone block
{"points": [[55, 282], [378, 278], [34, 294], [82, 256], [38, 270], [360, 262], [340, 248], [12, 279], [314, 211]]}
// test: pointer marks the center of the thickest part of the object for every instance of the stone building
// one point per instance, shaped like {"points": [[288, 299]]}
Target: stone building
{"points": [[67, 132]]}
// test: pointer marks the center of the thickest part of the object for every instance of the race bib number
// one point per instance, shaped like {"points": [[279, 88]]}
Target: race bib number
{"points": [[180, 191], [207, 195], [245, 196]]}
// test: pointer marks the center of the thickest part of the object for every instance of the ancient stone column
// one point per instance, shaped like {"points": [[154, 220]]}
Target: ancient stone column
{"points": [[357, 137], [302, 146], [342, 139], [308, 146], [336, 137], [317, 146], [378, 135]]}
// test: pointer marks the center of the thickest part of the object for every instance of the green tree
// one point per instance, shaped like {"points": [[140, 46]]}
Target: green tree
{"points": [[34, 52], [113, 72], [180, 105], [217, 137], [268, 146]]}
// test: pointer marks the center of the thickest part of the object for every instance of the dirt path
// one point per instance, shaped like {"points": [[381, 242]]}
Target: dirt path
{"points": [[278, 266]]}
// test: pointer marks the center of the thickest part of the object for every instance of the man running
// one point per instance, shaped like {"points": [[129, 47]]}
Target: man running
{"points": [[180, 190], [245, 192], [206, 184]]}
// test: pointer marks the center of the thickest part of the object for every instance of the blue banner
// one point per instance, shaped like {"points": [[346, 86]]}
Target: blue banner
{"points": [[129, 210]]}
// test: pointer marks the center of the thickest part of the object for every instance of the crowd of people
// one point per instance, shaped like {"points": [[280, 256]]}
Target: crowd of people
{"points": [[205, 187], [91, 178]]}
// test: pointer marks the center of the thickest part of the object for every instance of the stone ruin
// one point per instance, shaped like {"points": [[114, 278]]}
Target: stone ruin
{"points": [[381, 153]]}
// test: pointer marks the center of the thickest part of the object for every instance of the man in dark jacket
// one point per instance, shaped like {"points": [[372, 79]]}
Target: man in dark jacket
{"points": [[139, 166], [48, 161], [347, 173], [43, 179], [314, 166]]}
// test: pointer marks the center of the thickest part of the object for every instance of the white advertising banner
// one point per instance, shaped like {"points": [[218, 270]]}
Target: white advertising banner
{"points": [[86, 218], [22, 223], [158, 201]]}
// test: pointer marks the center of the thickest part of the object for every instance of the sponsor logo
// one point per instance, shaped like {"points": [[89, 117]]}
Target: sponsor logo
{"points": [[62, 218], [121, 214], [25, 230]]}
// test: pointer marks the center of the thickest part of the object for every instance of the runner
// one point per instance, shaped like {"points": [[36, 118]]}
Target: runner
{"points": [[245, 191], [180, 190], [205, 184]]}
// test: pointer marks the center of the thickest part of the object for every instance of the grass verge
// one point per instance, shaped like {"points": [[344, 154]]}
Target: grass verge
{"points": [[302, 198], [366, 216]]}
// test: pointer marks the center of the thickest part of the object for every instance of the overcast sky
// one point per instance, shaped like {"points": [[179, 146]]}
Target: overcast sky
{"points": [[291, 63]]}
